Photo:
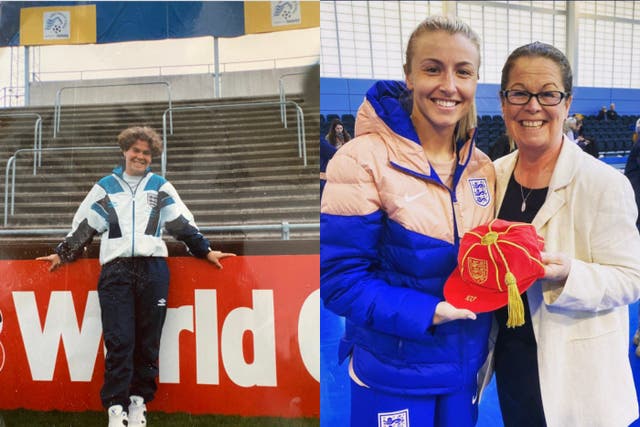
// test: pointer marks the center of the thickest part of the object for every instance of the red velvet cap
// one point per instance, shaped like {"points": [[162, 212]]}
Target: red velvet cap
{"points": [[497, 262]]}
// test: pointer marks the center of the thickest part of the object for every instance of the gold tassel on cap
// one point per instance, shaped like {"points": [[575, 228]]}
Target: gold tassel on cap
{"points": [[515, 306]]}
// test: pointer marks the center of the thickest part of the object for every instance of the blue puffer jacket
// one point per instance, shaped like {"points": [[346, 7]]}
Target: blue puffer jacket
{"points": [[390, 232]]}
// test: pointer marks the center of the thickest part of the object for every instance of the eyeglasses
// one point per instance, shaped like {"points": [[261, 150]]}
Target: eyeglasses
{"points": [[522, 97]]}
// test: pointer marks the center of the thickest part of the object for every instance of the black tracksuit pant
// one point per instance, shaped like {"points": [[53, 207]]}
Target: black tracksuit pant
{"points": [[133, 300]]}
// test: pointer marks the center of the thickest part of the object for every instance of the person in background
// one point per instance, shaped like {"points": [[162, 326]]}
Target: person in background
{"points": [[632, 172], [129, 209], [573, 347], [336, 138], [612, 114], [570, 129], [602, 114], [573, 131], [397, 201], [327, 151], [587, 143], [338, 135]]}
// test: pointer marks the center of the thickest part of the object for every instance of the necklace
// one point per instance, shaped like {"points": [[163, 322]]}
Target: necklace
{"points": [[523, 207]]}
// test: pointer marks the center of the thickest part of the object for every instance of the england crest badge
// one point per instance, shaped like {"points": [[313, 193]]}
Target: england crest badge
{"points": [[480, 191], [152, 199], [394, 419]]}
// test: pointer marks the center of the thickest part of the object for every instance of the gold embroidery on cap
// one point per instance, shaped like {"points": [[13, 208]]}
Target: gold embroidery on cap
{"points": [[489, 238], [478, 269]]}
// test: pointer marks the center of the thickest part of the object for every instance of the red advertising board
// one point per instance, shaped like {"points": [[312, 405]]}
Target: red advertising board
{"points": [[243, 340]]}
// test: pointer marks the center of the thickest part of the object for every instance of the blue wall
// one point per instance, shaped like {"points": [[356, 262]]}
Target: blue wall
{"points": [[344, 96]]}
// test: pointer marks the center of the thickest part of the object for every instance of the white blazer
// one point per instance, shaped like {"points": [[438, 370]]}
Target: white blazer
{"points": [[582, 326]]}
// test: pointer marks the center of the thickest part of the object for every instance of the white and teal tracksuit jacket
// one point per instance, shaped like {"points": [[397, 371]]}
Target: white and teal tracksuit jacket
{"points": [[130, 220]]}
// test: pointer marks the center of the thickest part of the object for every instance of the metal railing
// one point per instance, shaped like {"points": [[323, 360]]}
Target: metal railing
{"points": [[285, 227], [57, 109], [175, 69], [302, 144], [37, 136], [11, 94], [11, 166], [283, 99]]}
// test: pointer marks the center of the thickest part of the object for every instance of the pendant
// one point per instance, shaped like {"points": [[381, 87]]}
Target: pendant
{"points": [[524, 206]]}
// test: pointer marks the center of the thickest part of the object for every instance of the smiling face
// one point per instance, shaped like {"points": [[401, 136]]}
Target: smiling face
{"points": [[443, 75], [137, 158], [534, 126]]}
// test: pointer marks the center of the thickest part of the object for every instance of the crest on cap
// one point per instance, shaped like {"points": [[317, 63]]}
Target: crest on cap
{"points": [[478, 269], [497, 262]]}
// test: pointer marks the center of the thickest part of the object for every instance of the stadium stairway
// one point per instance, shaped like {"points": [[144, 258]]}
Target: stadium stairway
{"points": [[231, 166]]}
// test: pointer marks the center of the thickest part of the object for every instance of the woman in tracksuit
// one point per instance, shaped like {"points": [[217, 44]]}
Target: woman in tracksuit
{"points": [[398, 199], [129, 209]]}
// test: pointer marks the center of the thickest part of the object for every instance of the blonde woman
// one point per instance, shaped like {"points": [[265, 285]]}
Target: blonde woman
{"points": [[398, 198]]}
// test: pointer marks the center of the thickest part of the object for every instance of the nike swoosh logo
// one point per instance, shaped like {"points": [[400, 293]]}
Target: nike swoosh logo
{"points": [[410, 199], [474, 399]]}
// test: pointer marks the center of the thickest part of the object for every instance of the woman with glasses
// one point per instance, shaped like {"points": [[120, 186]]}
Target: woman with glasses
{"points": [[573, 348]]}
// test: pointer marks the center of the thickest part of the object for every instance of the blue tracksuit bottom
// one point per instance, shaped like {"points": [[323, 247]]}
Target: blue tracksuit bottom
{"points": [[133, 301], [373, 408]]}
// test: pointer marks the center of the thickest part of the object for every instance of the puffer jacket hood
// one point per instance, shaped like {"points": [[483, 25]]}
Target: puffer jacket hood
{"points": [[391, 102]]}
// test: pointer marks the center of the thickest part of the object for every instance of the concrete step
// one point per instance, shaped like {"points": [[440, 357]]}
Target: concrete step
{"points": [[215, 237], [288, 200], [178, 181], [218, 192], [255, 171], [256, 215], [214, 165]]}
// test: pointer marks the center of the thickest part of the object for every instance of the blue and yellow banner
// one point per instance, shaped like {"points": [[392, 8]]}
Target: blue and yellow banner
{"points": [[58, 25], [269, 16], [52, 22]]}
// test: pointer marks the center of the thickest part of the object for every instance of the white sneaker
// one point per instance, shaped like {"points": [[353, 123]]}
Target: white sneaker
{"points": [[137, 412], [117, 416]]}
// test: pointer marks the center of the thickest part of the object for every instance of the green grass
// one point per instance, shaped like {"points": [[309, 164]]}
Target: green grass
{"points": [[21, 417]]}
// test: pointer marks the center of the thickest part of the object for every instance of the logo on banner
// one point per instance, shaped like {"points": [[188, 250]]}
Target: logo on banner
{"points": [[480, 191], [285, 13], [394, 419], [56, 25]]}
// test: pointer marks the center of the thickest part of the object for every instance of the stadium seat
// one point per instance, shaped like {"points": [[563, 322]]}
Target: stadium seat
{"points": [[324, 128], [349, 122], [348, 118], [330, 117]]}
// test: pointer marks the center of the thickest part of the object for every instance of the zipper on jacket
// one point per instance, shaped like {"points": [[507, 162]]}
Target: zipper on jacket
{"points": [[133, 224], [133, 209], [454, 200], [133, 215]]}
